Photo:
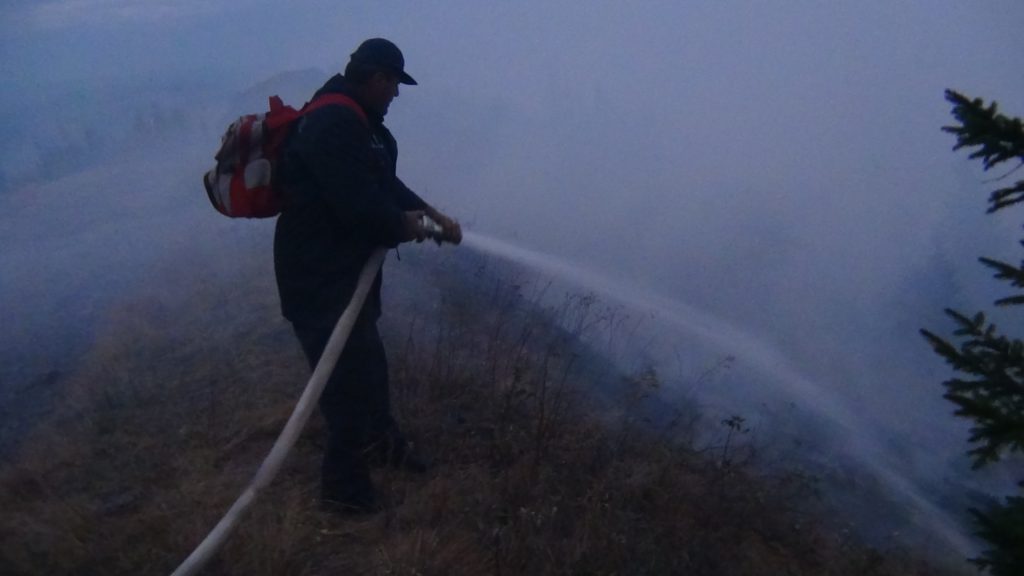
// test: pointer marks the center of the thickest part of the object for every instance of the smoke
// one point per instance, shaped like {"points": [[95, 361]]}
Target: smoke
{"points": [[771, 179]]}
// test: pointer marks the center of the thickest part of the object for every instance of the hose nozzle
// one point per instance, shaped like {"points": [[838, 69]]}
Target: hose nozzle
{"points": [[432, 228]]}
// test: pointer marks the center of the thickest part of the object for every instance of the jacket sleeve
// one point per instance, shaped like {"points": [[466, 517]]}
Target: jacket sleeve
{"points": [[406, 198], [333, 145]]}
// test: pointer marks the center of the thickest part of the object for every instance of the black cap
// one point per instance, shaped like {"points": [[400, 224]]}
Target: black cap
{"points": [[381, 53]]}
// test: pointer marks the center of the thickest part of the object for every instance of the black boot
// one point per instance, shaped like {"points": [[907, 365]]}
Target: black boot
{"points": [[345, 484]]}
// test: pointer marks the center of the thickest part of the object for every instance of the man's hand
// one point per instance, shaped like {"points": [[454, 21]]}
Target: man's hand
{"points": [[451, 231], [413, 228]]}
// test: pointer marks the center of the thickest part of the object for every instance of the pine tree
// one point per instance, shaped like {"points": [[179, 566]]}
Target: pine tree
{"points": [[989, 386]]}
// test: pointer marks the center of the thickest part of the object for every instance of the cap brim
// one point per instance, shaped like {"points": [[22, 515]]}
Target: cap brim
{"points": [[406, 79]]}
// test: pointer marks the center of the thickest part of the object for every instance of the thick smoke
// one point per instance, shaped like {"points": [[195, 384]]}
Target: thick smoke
{"points": [[778, 167]]}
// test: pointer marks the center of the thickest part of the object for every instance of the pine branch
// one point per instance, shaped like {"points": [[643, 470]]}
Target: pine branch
{"points": [[1002, 525], [1004, 197], [1007, 175], [990, 389], [1008, 272], [997, 137], [993, 397], [1010, 301], [941, 346]]}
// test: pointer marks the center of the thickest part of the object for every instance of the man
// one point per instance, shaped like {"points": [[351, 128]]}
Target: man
{"points": [[342, 200]]}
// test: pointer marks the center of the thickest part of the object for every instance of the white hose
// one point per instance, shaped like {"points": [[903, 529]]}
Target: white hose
{"points": [[272, 464]]}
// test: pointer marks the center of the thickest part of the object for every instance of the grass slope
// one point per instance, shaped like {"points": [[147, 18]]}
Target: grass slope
{"points": [[539, 472]]}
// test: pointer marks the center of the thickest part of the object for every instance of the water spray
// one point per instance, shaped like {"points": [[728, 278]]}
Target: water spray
{"points": [[757, 353]]}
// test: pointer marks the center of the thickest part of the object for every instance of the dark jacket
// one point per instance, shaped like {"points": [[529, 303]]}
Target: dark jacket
{"points": [[342, 199]]}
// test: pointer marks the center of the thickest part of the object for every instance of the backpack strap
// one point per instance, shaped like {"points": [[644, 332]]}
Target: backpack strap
{"points": [[335, 99]]}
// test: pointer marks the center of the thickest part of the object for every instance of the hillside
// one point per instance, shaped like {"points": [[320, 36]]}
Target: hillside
{"points": [[182, 391]]}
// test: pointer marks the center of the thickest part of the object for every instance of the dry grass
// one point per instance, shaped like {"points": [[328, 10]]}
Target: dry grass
{"points": [[183, 395]]}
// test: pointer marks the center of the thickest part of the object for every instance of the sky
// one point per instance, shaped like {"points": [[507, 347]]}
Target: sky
{"points": [[778, 166]]}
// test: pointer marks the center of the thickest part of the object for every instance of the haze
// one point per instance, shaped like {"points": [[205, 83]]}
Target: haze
{"points": [[776, 166]]}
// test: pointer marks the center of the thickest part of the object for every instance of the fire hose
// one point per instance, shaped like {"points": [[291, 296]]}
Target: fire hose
{"points": [[286, 440]]}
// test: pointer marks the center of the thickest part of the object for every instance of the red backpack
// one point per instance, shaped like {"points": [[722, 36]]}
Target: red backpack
{"points": [[242, 184]]}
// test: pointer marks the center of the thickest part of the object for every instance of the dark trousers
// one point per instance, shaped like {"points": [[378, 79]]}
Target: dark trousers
{"points": [[356, 404]]}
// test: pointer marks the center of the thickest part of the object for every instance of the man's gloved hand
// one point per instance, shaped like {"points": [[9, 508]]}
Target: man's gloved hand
{"points": [[413, 227]]}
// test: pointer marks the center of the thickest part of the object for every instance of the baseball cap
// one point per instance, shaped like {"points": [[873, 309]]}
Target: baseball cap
{"points": [[381, 53]]}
